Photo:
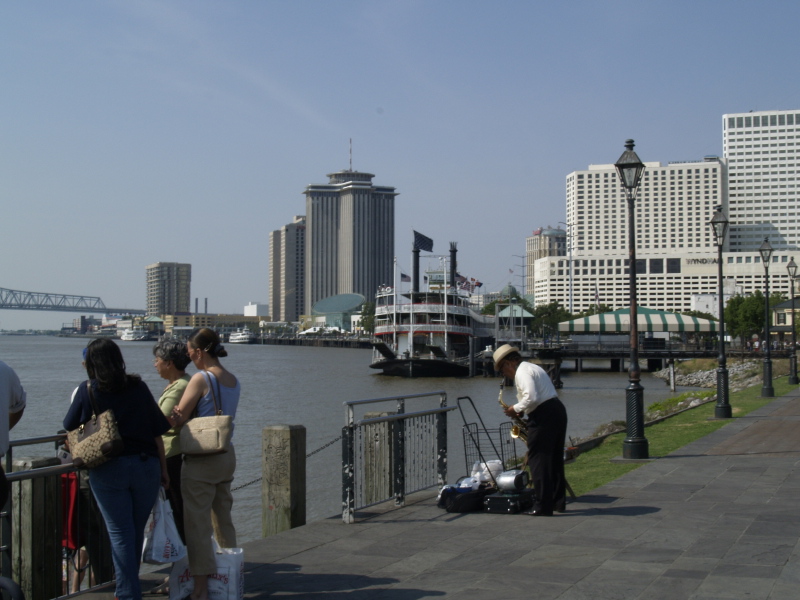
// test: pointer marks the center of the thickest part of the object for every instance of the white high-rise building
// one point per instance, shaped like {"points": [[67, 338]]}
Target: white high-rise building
{"points": [[762, 150], [755, 183], [287, 270], [349, 236]]}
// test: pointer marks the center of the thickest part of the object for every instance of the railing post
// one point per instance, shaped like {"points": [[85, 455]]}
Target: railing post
{"points": [[398, 429], [36, 550], [283, 485], [348, 474], [441, 445]]}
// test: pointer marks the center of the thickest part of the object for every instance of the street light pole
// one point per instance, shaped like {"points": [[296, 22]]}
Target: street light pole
{"points": [[793, 380], [723, 408], [630, 169], [767, 391]]}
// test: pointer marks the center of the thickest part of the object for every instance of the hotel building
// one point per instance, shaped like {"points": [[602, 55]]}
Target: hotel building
{"points": [[349, 237], [754, 182]]}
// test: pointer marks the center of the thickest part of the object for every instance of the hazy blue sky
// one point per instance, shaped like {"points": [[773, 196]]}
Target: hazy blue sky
{"points": [[143, 131]]}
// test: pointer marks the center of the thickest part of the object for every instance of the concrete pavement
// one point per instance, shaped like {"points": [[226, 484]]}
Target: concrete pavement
{"points": [[718, 519]]}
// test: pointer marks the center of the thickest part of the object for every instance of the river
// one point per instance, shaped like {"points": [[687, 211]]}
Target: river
{"points": [[299, 385]]}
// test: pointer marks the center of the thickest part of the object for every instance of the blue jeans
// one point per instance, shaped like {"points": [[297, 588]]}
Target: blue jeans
{"points": [[125, 489]]}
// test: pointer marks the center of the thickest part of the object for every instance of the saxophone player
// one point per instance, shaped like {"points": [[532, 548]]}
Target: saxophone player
{"points": [[546, 428]]}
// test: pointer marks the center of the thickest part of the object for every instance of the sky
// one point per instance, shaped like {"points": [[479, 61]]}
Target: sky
{"points": [[139, 131]]}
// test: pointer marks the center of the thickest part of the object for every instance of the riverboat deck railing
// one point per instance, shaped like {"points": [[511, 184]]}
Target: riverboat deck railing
{"points": [[390, 454]]}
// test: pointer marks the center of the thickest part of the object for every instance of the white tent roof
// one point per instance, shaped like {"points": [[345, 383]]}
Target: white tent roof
{"points": [[648, 319]]}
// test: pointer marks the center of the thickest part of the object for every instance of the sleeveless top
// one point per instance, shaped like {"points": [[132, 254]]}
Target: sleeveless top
{"points": [[227, 398]]}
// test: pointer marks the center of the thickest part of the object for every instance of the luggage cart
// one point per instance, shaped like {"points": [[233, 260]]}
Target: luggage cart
{"points": [[481, 443]]}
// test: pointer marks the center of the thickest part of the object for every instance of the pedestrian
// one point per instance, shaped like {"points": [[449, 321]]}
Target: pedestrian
{"points": [[12, 403], [538, 401], [125, 486], [206, 479]]}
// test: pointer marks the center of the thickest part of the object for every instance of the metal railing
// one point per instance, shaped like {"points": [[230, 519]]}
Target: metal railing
{"points": [[392, 454], [46, 513]]}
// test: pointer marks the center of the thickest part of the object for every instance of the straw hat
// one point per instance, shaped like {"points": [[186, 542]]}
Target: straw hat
{"points": [[501, 353]]}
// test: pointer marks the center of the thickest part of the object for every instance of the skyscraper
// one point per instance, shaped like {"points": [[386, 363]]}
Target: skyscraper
{"points": [[168, 288], [349, 236], [287, 270], [762, 150]]}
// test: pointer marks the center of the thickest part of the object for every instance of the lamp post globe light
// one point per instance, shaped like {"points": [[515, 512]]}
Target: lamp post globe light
{"points": [[767, 391], [793, 380], [723, 408], [630, 169]]}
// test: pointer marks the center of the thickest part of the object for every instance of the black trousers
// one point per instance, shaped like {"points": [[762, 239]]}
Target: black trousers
{"points": [[547, 431]]}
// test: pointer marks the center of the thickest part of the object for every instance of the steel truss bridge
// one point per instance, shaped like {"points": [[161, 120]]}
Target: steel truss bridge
{"points": [[19, 300]]}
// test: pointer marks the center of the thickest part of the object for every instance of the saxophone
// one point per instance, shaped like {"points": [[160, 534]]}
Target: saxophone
{"points": [[519, 429]]}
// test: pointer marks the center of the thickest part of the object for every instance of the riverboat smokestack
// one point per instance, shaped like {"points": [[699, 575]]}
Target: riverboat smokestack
{"points": [[453, 251]]}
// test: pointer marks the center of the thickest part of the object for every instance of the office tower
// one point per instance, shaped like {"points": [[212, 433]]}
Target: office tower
{"points": [[762, 150], [286, 270], [349, 236], [542, 242], [168, 288]]}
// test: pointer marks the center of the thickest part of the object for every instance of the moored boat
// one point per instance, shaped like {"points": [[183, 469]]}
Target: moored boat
{"points": [[242, 336], [432, 333], [135, 334]]}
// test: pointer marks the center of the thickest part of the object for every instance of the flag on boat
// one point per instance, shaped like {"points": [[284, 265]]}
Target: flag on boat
{"points": [[404, 277], [422, 242]]}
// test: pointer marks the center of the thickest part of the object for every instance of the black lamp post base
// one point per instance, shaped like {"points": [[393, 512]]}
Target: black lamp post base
{"points": [[635, 449], [767, 391], [793, 379], [723, 408]]}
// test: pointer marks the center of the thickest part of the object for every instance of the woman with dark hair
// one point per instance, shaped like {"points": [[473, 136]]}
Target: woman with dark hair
{"points": [[171, 360], [206, 480], [125, 486]]}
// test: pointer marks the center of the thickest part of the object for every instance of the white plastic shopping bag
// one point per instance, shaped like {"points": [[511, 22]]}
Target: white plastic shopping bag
{"points": [[162, 543], [226, 584]]}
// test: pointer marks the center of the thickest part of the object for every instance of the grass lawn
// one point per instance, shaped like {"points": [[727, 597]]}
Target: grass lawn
{"points": [[593, 468]]}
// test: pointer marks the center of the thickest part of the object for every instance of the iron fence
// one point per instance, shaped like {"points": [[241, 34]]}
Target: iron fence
{"points": [[390, 454]]}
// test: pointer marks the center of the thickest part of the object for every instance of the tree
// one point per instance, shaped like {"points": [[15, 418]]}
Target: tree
{"points": [[368, 317], [547, 317]]}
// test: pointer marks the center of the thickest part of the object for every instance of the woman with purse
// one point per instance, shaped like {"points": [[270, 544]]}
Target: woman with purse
{"points": [[126, 485], [206, 479]]}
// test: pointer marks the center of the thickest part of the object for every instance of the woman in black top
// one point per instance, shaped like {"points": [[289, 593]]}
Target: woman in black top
{"points": [[126, 486]]}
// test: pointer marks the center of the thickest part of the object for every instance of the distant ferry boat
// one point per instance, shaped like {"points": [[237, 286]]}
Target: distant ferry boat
{"points": [[136, 334], [242, 336]]}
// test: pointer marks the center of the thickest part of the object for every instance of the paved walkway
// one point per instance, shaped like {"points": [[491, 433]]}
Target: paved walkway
{"points": [[718, 519]]}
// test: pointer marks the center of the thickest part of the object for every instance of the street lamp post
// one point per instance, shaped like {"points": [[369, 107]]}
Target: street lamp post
{"points": [[630, 169], [723, 408], [767, 390], [793, 380]]}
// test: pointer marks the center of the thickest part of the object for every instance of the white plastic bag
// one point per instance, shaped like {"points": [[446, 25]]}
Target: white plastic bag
{"points": [[162, 543], [226, 584], [484, 471]]}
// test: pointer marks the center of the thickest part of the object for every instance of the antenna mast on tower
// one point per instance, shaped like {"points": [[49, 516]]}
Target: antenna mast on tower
{"points": [[351, 154]]}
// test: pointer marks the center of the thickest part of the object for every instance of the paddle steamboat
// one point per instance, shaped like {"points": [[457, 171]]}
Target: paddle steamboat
{"points": [[431, 333]]}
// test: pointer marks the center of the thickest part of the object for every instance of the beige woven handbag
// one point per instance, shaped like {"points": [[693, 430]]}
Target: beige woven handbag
{"points": [[207, 435], [94, 442]]}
